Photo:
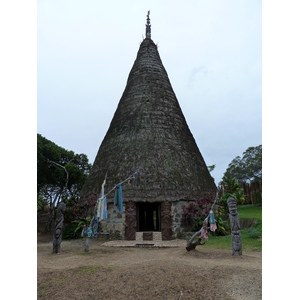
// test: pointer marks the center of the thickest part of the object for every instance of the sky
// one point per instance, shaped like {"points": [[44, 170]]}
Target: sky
{"points": [[211, 50]]}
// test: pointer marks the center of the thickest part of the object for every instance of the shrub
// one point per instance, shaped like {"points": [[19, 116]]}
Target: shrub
{"points": [[68, 232], [223, 227], [195, 213], [257, 199], [253, 233], [84, 208], [230, 188]]}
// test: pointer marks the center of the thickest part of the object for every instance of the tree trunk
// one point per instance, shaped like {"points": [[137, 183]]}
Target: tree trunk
{"points": [[192, 245], [51, 213]]}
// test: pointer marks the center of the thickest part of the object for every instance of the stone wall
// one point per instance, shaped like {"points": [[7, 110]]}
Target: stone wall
{"points": [[114, 225], [179, 231]]}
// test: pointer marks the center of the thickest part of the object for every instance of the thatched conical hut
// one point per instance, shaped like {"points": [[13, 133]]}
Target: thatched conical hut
{"points": [[149, 132]]}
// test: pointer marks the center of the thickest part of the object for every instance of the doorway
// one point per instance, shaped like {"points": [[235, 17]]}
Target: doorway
{"points": [[148, 216]]}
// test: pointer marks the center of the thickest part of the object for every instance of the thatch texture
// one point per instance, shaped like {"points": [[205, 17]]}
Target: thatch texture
{"points": [[149, 132]]}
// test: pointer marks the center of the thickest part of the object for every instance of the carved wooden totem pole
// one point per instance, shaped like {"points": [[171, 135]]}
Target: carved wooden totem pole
{"points": [[58, 227], [235, 227]]}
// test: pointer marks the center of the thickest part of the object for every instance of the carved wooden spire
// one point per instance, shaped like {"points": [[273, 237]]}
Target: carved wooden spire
{"points": [[148, 26]]}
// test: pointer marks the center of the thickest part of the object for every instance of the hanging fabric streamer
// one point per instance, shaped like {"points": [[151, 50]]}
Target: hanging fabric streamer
{"points": [[118, 197], [213, 225], [95, 227], [98, 213], [83, 232], [100, 209], [203, 232], [100, 202], [104, 208]]}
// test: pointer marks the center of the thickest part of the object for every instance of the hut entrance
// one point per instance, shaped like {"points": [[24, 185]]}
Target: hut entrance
{"points": [[148, 216]]}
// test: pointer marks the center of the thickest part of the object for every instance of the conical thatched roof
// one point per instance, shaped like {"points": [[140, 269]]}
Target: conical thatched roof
{"points": [[149, 132]]}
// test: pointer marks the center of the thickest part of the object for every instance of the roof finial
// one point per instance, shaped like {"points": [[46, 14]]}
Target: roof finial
{"points": [[148, 26]]}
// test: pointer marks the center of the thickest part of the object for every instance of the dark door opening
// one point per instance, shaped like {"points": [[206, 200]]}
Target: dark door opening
{"points": [[148, 216]]}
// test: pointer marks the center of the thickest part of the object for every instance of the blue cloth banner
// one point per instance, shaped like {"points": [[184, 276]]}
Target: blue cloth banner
{"points": [[118, 197], [105, 209]]}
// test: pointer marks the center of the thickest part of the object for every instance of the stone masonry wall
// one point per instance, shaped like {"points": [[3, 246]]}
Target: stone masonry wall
{"points": [[114, 225], [179, 230]]}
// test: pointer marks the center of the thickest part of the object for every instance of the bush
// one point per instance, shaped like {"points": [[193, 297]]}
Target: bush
{"points": [[69, 231], [231, 188], [194, 214], [257, 199], [223, 227], [253, 233]]}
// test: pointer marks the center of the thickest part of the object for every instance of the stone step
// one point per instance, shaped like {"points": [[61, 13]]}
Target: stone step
{"points": [[148, 236]]}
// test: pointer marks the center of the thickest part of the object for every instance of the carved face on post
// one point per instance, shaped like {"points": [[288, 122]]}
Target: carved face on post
{"points": [[232, 206], [236, 242]]}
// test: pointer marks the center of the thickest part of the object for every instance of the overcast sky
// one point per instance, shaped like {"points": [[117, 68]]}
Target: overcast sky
{"points": [[211, 50]]}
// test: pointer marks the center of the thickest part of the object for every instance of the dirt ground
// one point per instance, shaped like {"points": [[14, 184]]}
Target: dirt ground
{"points": [[145, 273]]}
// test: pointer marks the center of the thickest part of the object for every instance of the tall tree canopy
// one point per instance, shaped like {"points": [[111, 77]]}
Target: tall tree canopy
{"points": [[248, 168], [60, 173]]}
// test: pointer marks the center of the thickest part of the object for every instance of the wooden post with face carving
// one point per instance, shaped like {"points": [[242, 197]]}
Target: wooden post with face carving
{"points": [[235, 227], [58, 227]]}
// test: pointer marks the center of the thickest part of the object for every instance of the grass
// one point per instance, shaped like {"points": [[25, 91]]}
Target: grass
{"points": [[91, 269], [248, 243], [248, 211]]}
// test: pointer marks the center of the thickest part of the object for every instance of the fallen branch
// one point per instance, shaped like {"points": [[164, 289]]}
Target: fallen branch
{"points": [[191, 245]]}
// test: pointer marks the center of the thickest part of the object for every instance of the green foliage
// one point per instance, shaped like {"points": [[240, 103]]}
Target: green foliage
{"points": [[223, 227], [195, 213], [230, 188], [91, 269], [42, 204], [211, 168], [198, 222], [73, 230], [251, 237], [50, 157], [68, 231], [239, 196], [60, 175], [225, 242], [247, 168], [257, 198], [253, 233], [248, 212], [81, 223]]}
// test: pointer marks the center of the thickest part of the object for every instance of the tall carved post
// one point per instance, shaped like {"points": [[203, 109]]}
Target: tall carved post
{"points": [[166, 221], [235, 227], [58, 227], [89, 233], [130, 222]]}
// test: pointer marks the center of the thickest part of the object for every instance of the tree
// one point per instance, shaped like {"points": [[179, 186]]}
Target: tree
{"points": [[248, 168], [230, 187], [211, 168], [60, 175]]}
